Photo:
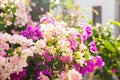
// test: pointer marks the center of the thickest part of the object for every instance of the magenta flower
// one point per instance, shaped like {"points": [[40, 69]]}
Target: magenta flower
{"points": [[32, 32], [114, 70], [47, 19], [90, 65], [93, 47], [47, 56], [73, 43], [99, 61], [41, 76], [20, 76], [84, 37], [83, 70], [88, 31], [77, 66], [43, 19], [46, 72], [65, 59]]}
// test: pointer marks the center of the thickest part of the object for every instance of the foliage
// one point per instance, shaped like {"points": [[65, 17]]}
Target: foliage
{"points": [[115, 22], [109, 49]]}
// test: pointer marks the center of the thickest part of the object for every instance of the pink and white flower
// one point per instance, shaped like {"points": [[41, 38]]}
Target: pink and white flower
{"points": [[74, 75]]}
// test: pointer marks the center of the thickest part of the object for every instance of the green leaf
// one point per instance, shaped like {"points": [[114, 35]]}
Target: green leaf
{"points": [[76, 55], [58, 64], [42, 67], [1, 20], [115, 22], [16, 46], [78, 39], [2, 27], [109, 46], [14, 9], [49, 43], [52, 42], [10, 52], [87, 55], [90, 22], [52, 5], [68, 4]]}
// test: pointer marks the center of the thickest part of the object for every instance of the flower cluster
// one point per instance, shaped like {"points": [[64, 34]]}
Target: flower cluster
{"points": [[20, 76], [21, 18], [48, 50], [3, 3], [13, 15], [87, 32], [47, 19], [62, 50], [91, 64], [32, 32], [14, 51]]}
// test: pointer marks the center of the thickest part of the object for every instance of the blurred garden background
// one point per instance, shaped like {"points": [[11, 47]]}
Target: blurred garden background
{"points": [[103, 15]]}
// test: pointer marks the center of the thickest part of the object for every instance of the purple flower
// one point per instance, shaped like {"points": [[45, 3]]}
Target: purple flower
{"points": [[93, 47], [88, 31], [47, 19], [43, 19], [20, 76], [83, 70], [65, 59], [41, 76], [90, 65], [84, 37], [25, 34], [37, 33], [46, 72], [77, 66], [47, 56], [99, 61], [32, 32], [73, 43]]}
